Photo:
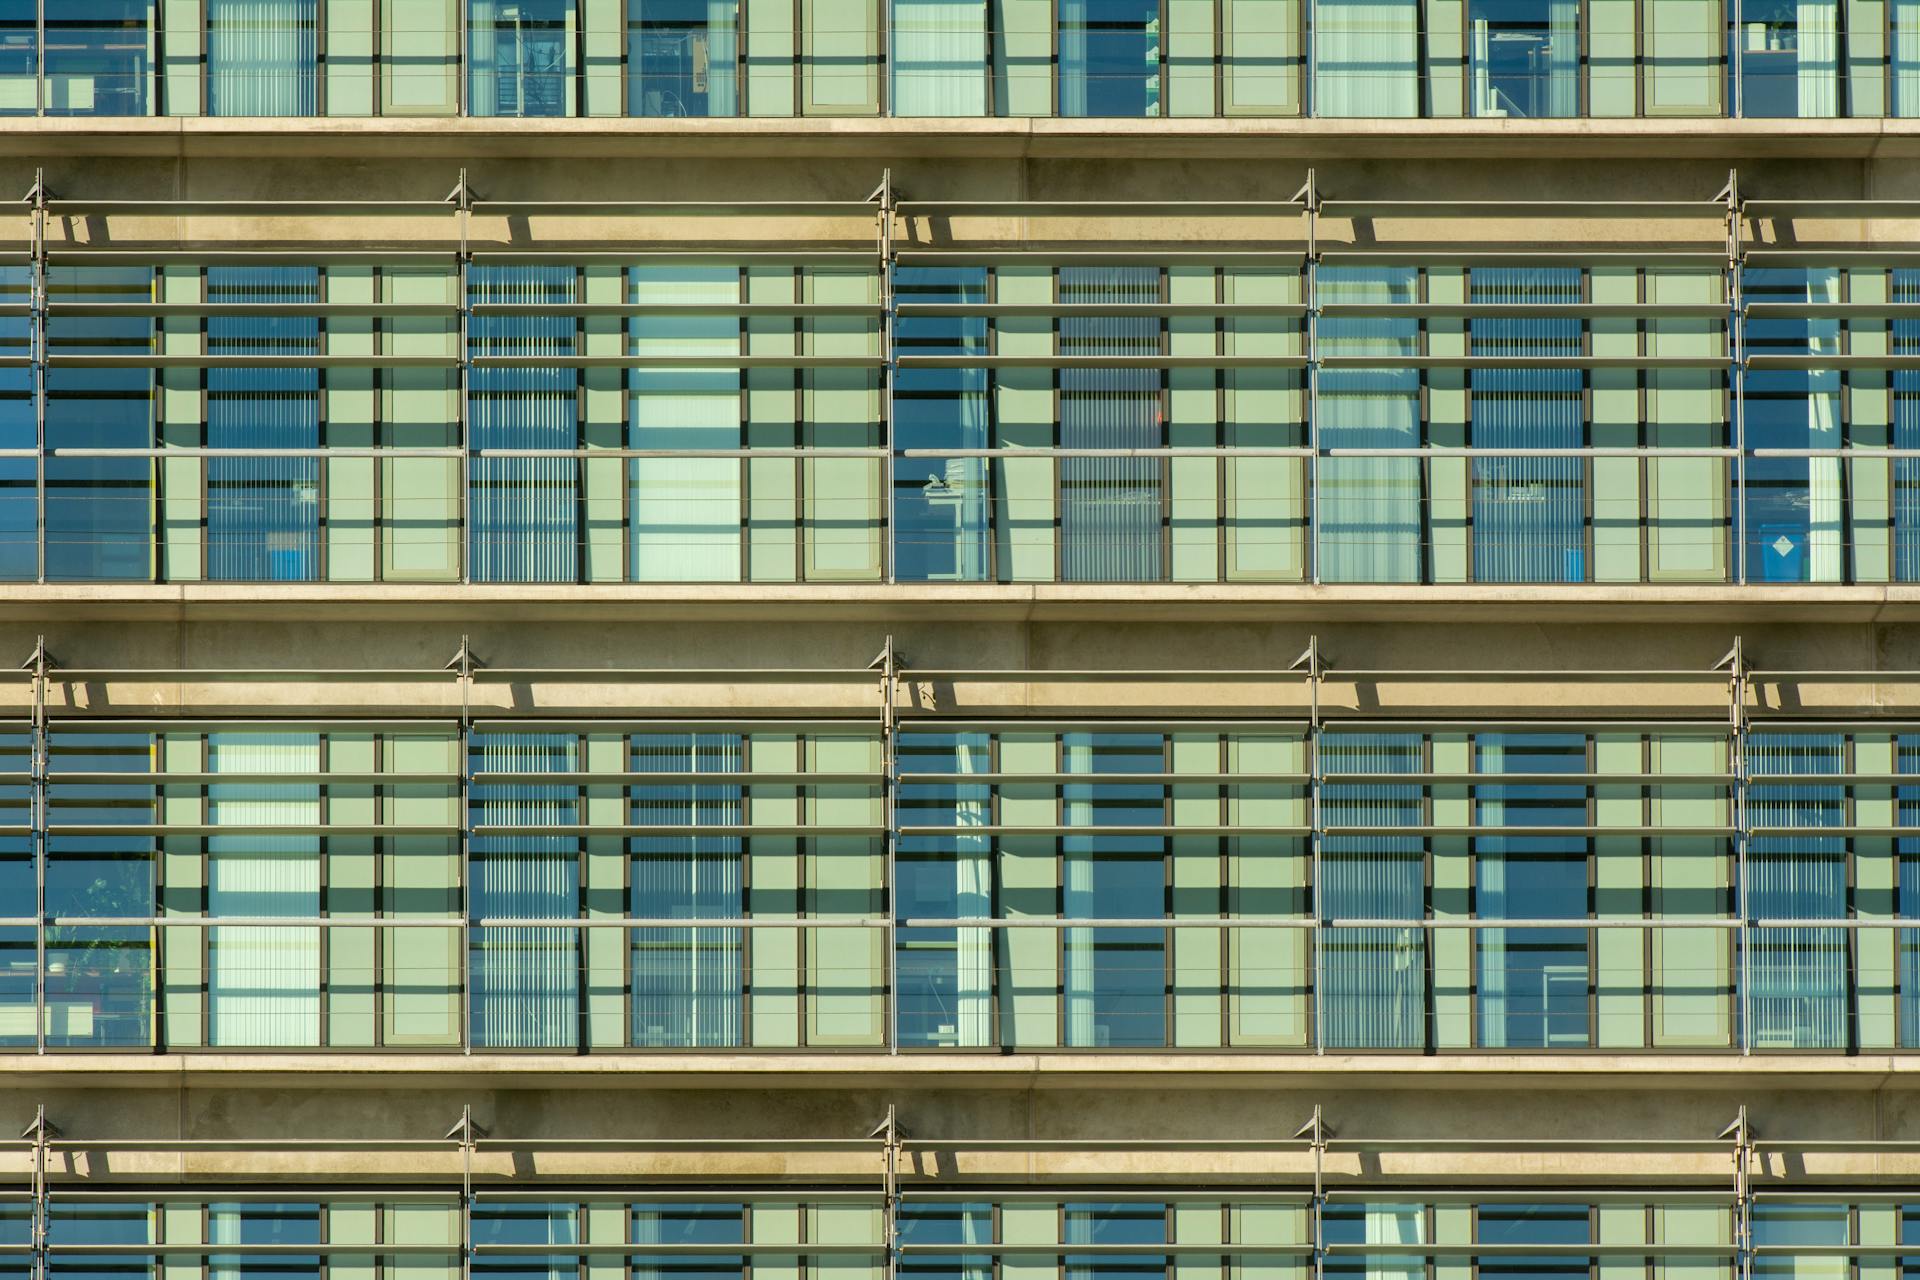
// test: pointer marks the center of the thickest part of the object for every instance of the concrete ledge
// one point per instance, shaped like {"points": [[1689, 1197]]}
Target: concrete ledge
{"points": [[968, 1072], [370, 138], [1144, 602]]}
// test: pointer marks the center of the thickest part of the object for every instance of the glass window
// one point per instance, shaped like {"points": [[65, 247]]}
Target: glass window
{"points": [[524, 512], [19, 514], [1789, 54], [100, 512], [676, 1224], [262, 57], [1370, 507], [1366, 59], [939, 57], [99, 978], [1798, 974], [1110, 508], [1795, 506], [263, 513], [946, 1224], [508, 1223], [279, 1226], [1375, 978], [525, 977], [1116, 978], [1786, 1226], [99, 57], [19, 56], [1524, 57], [943, 505], [1533, 983], [683, 57], [1529, 513], [519, 57], [1109, 58], [688, 984], [1114, 1226]]}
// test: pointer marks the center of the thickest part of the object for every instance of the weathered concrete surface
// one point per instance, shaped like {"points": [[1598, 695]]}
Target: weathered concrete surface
{"points": [[559, 665], [1606, 1122]]}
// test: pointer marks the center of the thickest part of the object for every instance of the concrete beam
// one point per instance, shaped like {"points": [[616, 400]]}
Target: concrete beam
{"points": [[384, 137], [987, 602]]}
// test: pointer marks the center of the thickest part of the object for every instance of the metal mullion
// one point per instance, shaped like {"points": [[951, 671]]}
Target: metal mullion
{"points": [[37, 820], [464, 871], [1737, 348], [1742, 937], [463, 264], [37, 349], [887, 372], [1311, 328]]}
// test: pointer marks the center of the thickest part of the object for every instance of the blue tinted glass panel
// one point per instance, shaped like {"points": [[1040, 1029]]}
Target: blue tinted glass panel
{"points": [[99, 57], [682, 58]]}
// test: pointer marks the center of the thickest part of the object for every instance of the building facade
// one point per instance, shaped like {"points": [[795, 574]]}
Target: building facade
{"points": [[960, 639]]}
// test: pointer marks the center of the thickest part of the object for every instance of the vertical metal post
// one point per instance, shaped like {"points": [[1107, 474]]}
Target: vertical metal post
{"points": [[1310, 662], [468, 1135], [37, 836], [1741, 1131], [1318, 1131], [37, 358], [890, 1133], [1737, 354], [887, 664], [883, 196], [461, 198], [462, 666], [1735, 663], [42, 1132], [40, 59], [1309, 198]]}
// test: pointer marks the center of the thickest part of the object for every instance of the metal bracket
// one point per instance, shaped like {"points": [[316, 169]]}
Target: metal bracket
{"points": [[1741, 1131], [889, 1132], [39, 662], [468, 1135], [41, 1132], [1311, 662], [1308, 198], [1317, 1131], [1734, 663], [888, 663]]}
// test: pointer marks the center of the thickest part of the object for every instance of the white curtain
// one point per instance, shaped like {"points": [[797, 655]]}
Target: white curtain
{"points": [[939, 57], [261, 57], [524, 512], [687, 982], [686, 511], [1819, 57], [526, 979], [722, 57], [1563, 59], [1374, 993], [263, 981], [1366, 58], [1110, 508]]}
